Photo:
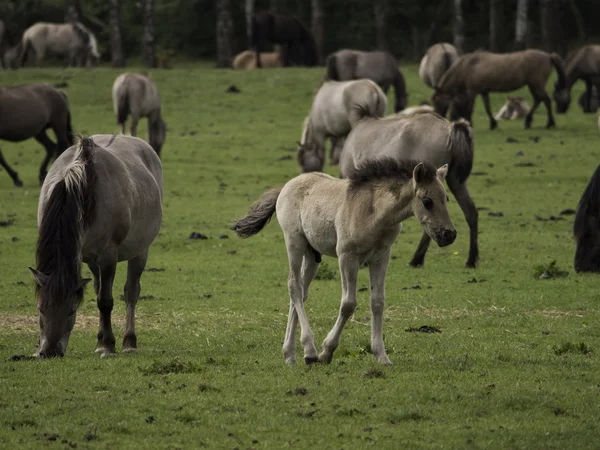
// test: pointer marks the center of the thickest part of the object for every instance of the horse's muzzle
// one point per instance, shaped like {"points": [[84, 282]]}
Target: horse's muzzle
{"points": [[446, 237]]}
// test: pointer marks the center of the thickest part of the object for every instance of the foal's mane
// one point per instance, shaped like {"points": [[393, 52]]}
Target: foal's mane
{"points": [[388, 169], [68, 211]]}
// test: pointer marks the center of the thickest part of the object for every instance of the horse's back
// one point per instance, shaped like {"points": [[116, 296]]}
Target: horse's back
{"points": [[437, 60], [142, 93], [245, 60]]}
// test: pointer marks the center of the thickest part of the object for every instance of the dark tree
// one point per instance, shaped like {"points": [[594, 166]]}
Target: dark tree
{"points": [[381, 10], [521, 25], [317, 27], [116, 43], [224, 33], [458, 27], [148, 38], [496, 17], [249, 9]]}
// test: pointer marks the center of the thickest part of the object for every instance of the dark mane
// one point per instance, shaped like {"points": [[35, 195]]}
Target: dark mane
{"points": [[388, 168]]}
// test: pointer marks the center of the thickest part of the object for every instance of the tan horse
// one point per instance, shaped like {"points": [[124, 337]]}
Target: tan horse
{"points": [[514, 108], [436, 62], [583, 65], [357, 221], [246, 60], [423, 137], [480, 73]]}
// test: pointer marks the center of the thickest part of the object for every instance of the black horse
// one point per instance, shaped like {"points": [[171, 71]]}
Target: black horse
{"points": [[587, 227], [298, 45]]}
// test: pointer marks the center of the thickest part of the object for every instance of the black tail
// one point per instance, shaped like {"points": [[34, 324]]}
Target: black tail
{"points": [[122, 106], [26, 45], [447, 59], [460, 145], [259, 215], [399, 91], [332, 71], [70, 135]]}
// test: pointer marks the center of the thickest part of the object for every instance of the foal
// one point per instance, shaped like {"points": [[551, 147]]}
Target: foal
{"points": [[356, 220]]}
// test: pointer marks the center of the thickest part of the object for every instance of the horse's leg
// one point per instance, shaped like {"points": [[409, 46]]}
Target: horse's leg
{"points": [[418, 258], [461, 193], [106, 338], [336, 150], [50, 147], [377, 270], [96, 272], [14, 175], [588, 97], [486, 103], [134, 122], [349, 272], [135, 268], [309, 269], [539, 95]]}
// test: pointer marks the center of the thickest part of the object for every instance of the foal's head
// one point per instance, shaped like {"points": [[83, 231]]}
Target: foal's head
{"points": [[430, 203]]}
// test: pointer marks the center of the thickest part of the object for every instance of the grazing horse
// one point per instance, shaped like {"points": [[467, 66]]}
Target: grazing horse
{"points": [[480, 73], [436, 62], [336, 107], [246, 60], [28, 111], [587, 227], [514, 108], [381, 67], [100, 204], [357, 221], [589, 105], [71, 40], [583, 65], [298, 45], [136, 94], [423, 137]]}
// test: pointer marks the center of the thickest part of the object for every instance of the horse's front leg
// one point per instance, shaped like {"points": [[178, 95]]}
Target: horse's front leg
{"points": [[486, 103], [106, 338], [14, 175], [135, 268], [377, 270], [51, 148], [349, 272]]}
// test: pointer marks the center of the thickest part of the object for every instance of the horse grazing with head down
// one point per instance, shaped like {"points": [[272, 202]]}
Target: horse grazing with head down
{"points": [[435, 63], [100, 204], [298, 45], [357, 221], [583, 65], [136, 94], [423, 137], [381, 67], [27, 111], [480, 73], [586, 228], [336, 107]]}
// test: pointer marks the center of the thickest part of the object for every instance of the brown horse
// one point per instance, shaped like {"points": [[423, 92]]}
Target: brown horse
{"points": [[28, 111], [480, 73], [246, 60], [298, 45], [583, 65], [381, 67]]}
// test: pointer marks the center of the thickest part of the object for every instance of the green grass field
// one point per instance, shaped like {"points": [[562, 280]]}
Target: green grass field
{"points": [[515, 365]]}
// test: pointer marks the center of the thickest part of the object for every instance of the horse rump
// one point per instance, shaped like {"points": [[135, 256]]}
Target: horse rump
{"points": [[586, 228]]}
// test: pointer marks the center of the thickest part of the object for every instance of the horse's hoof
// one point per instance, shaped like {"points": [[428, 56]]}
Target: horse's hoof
{"points": [[324, 358], [18, 183], [291, 361], [384, 360], [493, 125], [551, 125], [130, 350], [108, 355], [471, 264], [415, 264], [308, 360]]}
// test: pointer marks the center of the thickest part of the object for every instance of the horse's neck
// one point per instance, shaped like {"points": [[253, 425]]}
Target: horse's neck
{"points": [[573, 70], [394, 206]]}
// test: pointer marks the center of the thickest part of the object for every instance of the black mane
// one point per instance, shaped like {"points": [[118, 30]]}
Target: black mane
{"points": [[388, 168]]}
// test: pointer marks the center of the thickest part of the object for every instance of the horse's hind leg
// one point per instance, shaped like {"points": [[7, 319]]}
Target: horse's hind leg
{"points": [[14, 175], [539, 95], [461, 193], [135, 268], [134, 122], [310, 266], [418, 258], [377, 270], [486, 103], [106, 338], [50, 147]]}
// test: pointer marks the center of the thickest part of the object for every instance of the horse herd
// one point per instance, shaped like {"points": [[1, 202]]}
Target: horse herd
{"points": [[102, 198]]}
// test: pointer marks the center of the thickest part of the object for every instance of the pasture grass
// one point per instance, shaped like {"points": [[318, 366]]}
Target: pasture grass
{"points": [[514, 366]]}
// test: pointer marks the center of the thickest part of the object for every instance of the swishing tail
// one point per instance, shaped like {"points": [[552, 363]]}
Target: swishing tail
{"points": [[558, 64], [399, 91], [69, 129], [25, 46], [374, 105], [122, 106], [588, 206], [259, 214], [460, 145]]}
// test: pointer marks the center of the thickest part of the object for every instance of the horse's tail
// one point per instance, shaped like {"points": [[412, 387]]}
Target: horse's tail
{"points": [[558, 64], [589, 205], [460, 146], [122, 105], [70, 135], [447, 58], [375, 105], [332, 70], [259, 214], [399, 90], [25, 47]]}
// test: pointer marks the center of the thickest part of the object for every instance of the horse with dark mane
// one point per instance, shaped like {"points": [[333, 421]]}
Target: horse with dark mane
{"points": [[28, 111], [381, 67], [583, 65], [587, 227], [298, 45], [99, 205]]}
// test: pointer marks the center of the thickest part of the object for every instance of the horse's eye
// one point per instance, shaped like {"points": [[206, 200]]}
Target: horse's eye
{"points": [[427, 203]]}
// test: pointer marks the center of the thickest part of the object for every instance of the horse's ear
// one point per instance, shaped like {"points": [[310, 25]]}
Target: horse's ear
{"points": [[39, 277], [442, 172], [419, 173]]}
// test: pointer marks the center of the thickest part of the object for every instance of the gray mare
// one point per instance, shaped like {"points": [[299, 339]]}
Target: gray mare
{"points": [[101, 204], [136, 94], [422, 137], [436, 62]]}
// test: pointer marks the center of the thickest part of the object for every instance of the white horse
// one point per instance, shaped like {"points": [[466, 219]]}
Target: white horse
{"points": [[514, 108], [357, 221]]}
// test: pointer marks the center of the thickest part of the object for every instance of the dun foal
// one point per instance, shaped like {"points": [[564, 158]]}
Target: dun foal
{"points": [[356, 220]]}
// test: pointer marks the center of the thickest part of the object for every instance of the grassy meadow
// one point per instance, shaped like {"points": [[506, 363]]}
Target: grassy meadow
{"points": [[514, 366]]}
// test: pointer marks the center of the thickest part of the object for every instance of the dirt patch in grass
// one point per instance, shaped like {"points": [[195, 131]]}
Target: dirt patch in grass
{"points": [[17, 322]]}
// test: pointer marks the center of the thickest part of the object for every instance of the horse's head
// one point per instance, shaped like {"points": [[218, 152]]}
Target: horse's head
{"points": [[562, 97], [310, 158], [57, 306], [430, 204], [462, 107], [441, 102]]}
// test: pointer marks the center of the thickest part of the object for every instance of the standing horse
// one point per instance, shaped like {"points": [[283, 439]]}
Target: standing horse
{"points": [[100, 204], [335, 108], [356, 221], [423, 137], [136, 94], [436, 62], [71, 40], [583, 65], [480, 73], [298, 45], [587, 227], [246, 60], [381, 67], [28, 111]]}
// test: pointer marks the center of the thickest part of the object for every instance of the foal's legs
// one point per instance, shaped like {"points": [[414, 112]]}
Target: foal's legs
{"points": [[50, 147], [539, 95], [104, 274], [349, 272], [377, 270], [135, 268], [14, 175], [488, 110], [309, 270], [461, 193]]}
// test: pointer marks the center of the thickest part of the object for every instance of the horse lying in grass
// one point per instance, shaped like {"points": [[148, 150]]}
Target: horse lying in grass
{"points": [[480, 73], [335, 108], [514, 108], [246, 60], [381, 67], [423, 137], [28, 111], [357, 221], [436, 62], [583, 65], [100, 204], [136, 94]]}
